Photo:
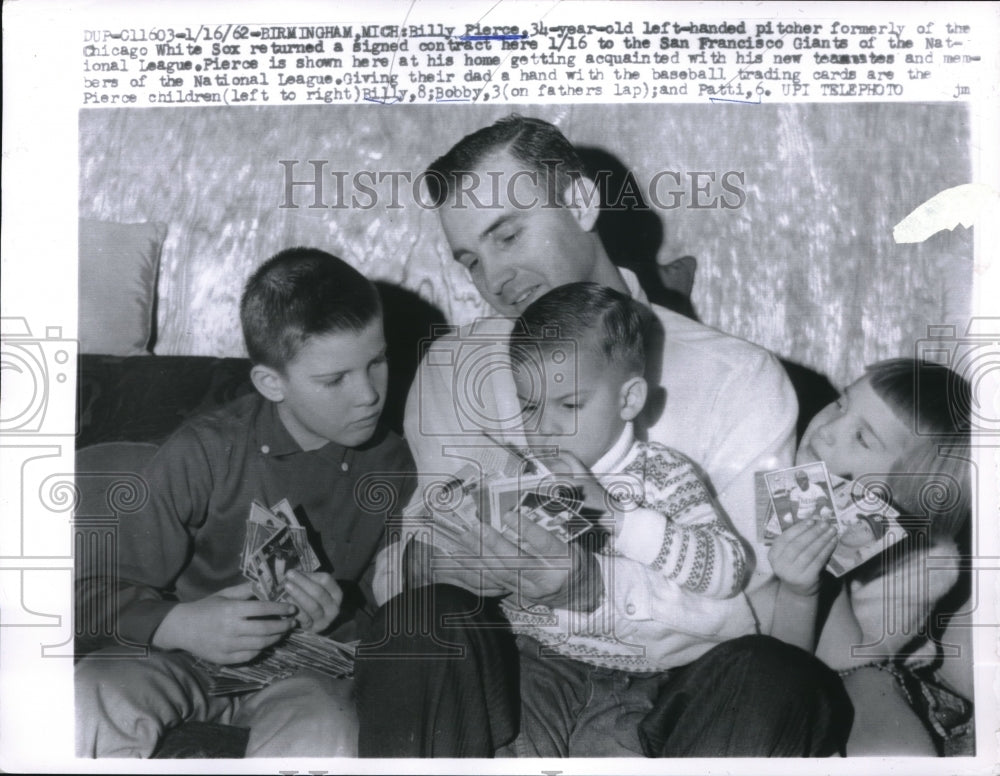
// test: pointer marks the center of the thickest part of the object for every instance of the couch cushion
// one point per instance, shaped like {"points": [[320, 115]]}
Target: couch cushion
{"points": [[119, 264]]}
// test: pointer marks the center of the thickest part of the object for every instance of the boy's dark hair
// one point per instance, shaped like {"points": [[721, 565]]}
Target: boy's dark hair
{"points": [[299, 293], [934, 477], [539, 145], [593, 316]]}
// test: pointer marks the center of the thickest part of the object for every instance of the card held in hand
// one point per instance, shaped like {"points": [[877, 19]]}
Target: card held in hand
{"points": [[275, 544], [500, 480], [866, 524]]}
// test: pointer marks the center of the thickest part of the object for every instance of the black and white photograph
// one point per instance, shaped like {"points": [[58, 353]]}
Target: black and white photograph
{"points": [[293, 263], [866, 526], [801, 493]]}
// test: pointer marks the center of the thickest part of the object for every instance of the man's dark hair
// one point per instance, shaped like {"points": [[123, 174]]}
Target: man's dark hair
{"points": [[300, 293], [539, 145], [593, 316]]}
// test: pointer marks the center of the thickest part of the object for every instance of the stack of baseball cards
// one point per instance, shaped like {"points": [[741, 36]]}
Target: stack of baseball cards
{"points": [[276, 543]]}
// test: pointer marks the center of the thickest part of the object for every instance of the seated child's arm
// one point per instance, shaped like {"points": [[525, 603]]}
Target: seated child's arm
{"points": [[231, 627], [675, 528], [156, 546], [841, 631], [227, 627], [797, 557], [153, 545], [680, 529], [902, 598]]}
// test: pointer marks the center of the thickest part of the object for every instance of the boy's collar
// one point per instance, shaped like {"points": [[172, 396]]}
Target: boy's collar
{"points": [[609, 462], [274, 439]]}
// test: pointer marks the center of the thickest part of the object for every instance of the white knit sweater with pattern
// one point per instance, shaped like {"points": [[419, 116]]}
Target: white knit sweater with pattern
{"points": [[693, 565]]}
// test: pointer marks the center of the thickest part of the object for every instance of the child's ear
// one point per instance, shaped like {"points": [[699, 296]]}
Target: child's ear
{"points": [[268, 382], [632, 397]]}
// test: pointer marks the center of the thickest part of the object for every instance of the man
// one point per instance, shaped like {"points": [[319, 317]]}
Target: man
{"points": [[518, 212], [808, 498]]}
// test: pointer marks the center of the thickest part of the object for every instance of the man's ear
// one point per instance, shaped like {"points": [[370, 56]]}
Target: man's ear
{"points": [[632, 397], [268, 382], [582, 198]]}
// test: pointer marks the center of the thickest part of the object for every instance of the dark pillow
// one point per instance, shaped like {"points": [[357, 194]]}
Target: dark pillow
{"points": [[145, 398]]}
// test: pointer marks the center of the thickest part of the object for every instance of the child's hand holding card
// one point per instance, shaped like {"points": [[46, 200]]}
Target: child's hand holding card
{"points": [[866, 525], [276, 543]]}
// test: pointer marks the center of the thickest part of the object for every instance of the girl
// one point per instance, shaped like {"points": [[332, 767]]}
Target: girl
{"points": [[902, 428]]}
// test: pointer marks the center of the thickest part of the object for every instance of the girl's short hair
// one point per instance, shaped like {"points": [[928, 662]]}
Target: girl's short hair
{"points": [[933, 478]]}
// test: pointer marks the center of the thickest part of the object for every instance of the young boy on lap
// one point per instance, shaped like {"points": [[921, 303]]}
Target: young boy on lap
{"points": [[665, 519], [313, 330], [667, 660]]}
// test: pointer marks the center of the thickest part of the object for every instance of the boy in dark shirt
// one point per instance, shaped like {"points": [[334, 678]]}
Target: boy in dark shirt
{"points": [[313, 330]]}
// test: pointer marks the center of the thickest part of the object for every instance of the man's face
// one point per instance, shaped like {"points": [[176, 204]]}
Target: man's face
{"points": [[519, 244], [858, 534], [856, 435], [578, 410], [334, 388], [803, 480]]}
